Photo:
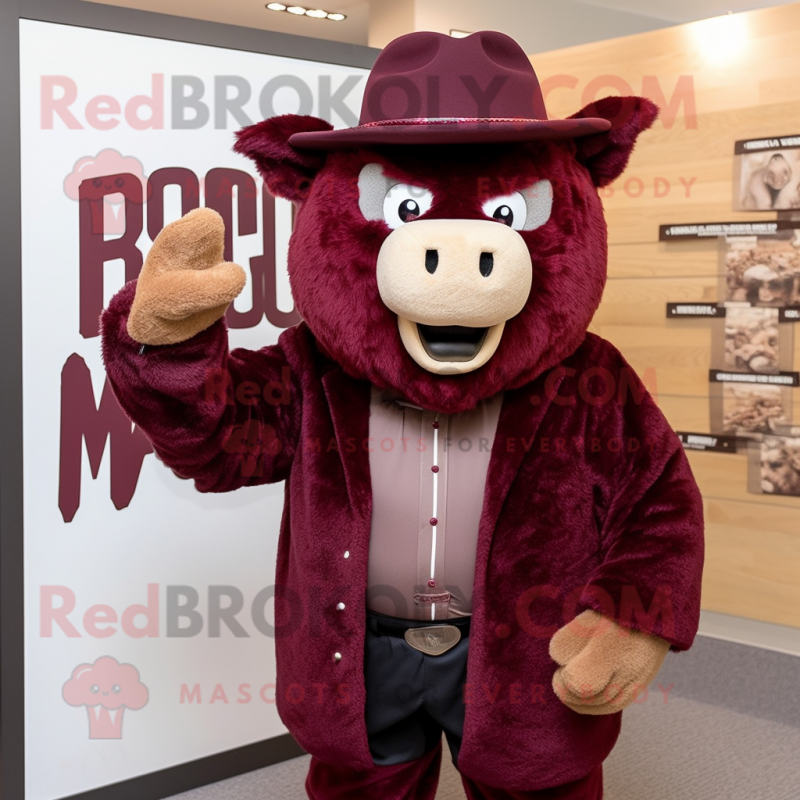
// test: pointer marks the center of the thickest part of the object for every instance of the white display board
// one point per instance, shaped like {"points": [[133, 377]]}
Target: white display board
{"points": [[119, 681]]}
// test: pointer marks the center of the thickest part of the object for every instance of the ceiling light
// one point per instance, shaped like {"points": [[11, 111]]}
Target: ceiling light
{"points": [[460, 34], [301, 11]]}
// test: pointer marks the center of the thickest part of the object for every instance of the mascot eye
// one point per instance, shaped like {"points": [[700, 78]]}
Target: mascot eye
{"points": [[510, 209], [405, 203]]}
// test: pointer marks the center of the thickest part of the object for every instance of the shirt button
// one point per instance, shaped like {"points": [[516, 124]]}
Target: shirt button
{"points": [[347, 554], [337, 657], [431, 583], [434, 521], [340, 607], [434, 469]]}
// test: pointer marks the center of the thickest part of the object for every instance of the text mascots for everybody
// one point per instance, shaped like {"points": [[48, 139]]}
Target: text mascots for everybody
{"points": [[490, 531]]}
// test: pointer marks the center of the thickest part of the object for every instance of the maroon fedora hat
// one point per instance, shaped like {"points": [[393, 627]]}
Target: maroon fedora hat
{"points": [[428, 88]]}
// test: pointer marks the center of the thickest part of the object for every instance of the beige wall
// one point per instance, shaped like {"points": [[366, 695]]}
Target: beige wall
{"points": [[536, 24], [744, 71], [389, 19]]}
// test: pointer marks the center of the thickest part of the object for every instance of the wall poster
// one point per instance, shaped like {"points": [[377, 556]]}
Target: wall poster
{"points": [[148, 606], [752, 380], [767, 174]]}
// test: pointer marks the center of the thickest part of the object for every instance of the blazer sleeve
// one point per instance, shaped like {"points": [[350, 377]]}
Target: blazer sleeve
{"points": [[224, 419], [652, 543]]}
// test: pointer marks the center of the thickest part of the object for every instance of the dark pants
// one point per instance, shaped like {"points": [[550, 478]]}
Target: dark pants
{"points": [[412, 698]]}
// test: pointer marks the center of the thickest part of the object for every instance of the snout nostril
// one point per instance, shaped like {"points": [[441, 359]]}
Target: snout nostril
{"points": [[486, 264], [431, 260]]}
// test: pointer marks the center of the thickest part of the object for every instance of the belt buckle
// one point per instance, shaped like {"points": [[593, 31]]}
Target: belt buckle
{"points": [[433, 640]]}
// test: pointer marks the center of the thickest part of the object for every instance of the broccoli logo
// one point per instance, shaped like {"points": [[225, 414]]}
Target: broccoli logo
{"points": [[106, 688]]}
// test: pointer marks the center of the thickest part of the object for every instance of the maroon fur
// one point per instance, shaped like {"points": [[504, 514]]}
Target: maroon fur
{"points": [[418, 780], [334, 250], [588, 503], [606, 154], [288, 172], [412, 780]]}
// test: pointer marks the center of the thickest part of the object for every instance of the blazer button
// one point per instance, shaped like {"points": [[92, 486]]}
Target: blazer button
{"points": [[340, 606], [337, 657]]}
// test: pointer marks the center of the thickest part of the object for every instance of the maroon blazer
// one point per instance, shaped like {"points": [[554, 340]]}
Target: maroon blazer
{"points": [[589, 503]]}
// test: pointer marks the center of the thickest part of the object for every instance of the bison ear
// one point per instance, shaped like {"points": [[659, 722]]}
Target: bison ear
{"points": [[287, 171], [606, 154]]}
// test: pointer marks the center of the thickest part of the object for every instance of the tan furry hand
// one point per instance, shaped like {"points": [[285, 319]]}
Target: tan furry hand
{"points": [[184, 286], [604, 666]]}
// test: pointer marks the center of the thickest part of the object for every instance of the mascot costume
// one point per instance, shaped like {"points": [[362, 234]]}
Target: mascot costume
{"points": [[490, 531]]}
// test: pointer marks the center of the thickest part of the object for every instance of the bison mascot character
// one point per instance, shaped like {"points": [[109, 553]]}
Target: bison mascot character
{"points": [[490, 530]]}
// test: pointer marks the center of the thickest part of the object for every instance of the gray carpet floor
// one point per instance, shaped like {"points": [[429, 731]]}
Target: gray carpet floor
{"points": [[730, 730]]}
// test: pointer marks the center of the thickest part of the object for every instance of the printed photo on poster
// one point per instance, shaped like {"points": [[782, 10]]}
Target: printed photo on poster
{"points": [[762, 270], [767, 174], [780, 465], [749, 409], [773, 464], [752, 339]]}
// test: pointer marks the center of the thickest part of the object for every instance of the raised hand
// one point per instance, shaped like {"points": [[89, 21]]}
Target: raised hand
{"points": [[603, 666], [184, 286]]}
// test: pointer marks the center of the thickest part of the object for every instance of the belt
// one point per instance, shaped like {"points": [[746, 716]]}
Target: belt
{"points": [[433, 640]]}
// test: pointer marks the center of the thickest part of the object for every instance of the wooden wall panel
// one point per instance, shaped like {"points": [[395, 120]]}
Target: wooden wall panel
{"points": [[633, 301], [747, 577], [753, 541], [665, 260]]}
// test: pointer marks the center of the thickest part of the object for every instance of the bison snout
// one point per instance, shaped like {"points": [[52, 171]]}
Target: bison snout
{"points": [[455, 272], [453, 285]]}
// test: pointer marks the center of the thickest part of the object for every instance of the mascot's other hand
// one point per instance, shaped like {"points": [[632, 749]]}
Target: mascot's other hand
{"points": [[184, 286], [604, 666]]}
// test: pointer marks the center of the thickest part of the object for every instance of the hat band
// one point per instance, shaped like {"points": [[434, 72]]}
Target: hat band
{"points": [[446, 121]]}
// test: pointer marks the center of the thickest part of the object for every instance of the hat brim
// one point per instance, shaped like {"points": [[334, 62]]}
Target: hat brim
{"points": [[408, 132]]}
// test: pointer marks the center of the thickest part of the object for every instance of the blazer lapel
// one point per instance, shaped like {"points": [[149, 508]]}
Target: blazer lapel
{"points": [[348, 401]]}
